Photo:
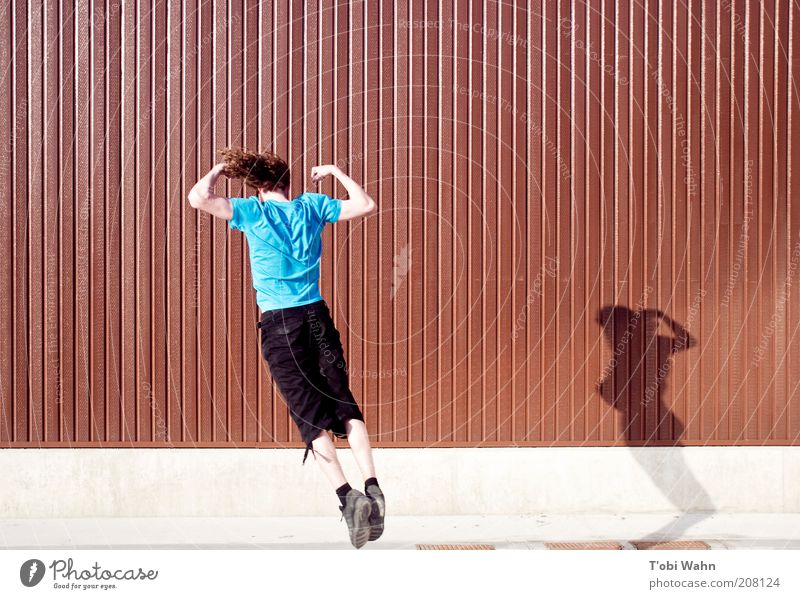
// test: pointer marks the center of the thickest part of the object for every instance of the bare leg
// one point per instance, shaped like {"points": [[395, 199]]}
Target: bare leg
{"points": [[327, 460], [359, 442]]}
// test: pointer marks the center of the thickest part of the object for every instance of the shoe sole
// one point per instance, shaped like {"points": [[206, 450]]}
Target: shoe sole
{"points": [[361, 527], [376, 521]]}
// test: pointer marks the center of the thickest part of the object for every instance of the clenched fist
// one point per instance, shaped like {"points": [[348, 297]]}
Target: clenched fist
{"points": [[320, 172]]}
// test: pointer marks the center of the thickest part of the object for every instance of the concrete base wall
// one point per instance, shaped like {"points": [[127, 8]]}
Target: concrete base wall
{"points": [[45, 483]]}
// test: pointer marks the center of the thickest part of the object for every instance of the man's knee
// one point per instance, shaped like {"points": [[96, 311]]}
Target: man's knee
{"points": [[321, 437], [351, 423]]}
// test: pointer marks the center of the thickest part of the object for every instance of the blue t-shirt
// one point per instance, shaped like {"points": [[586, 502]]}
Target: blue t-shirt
{"points": [[285, 241]]}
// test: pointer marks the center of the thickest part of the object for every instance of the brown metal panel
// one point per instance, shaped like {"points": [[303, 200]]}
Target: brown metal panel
{"points": [[237, 251], [354, 160], [508, 262], [387, 199], [691, 155], [547, 227], [82, 226], [609, 356], [159, 200], [174, 201], [754, 161], [35, 231], [20, 110], [67, 219], [777, 426], [675, 397], [15, 404], [720, 293], [535, 284], [220, 360], [490, 200], [563, 203], [144, 226], [251, 355], [430, 212], [99, 218], [294, 89], [626, 301], [399, 229], [7, 134], [415, 216], [593, 246], [461, 211], [659, 78], [280, 143], [577, 159], [765, 274], [793, 227], [651, 408], [741, 181], [266, 389], [769, 287], [191, 231], [112, 139], [705, 296], [370, 372], [476, 193], [128, 223], [206, 153], [566, 192], [341, 134], [442, 228], [50, 160]]}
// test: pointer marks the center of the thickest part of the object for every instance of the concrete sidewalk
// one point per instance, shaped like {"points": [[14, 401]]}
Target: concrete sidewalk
{"points": [[720, 531]]}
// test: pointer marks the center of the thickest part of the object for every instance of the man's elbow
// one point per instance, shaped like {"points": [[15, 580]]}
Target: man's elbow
{"points": [[371, 206], [195, 199]]}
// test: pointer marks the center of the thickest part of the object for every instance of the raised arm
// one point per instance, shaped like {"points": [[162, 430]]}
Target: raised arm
{"points": [[203, 197], [358, 202], [683, 339]]}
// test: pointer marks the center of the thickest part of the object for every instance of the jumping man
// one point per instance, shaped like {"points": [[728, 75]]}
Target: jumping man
{"points": [[298, 338]]}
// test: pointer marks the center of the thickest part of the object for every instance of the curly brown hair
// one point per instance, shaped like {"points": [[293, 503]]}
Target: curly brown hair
{"points": [[262, 170]]}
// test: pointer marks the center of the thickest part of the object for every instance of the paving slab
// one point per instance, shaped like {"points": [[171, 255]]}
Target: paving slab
{"points": [[530, 532]]}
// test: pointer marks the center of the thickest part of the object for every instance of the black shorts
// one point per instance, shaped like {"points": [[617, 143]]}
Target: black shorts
{"points": [[306, 360]]}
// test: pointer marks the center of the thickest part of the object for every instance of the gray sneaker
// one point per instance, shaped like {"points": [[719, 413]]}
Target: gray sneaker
{"points": [[375, 496], [355, 512]]}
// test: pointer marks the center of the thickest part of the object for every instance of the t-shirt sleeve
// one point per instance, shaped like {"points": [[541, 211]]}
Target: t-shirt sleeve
{"points": [[245, 213], [327, 207]]}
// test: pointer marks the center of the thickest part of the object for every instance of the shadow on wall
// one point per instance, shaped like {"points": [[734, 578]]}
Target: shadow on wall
{"points": [[636, 343]]}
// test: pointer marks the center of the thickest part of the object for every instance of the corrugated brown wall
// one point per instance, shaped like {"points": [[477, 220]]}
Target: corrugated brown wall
{"points": [[589, 231]]}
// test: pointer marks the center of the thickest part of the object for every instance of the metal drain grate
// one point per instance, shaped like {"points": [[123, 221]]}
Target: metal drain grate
{"points": [[670, 545], [457, 546], [585, 545]]}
